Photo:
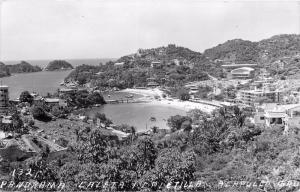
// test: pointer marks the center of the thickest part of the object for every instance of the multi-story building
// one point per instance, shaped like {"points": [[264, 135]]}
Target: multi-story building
{"points": [[250, 97], [272, 114], [242, 73], [4, 98]]}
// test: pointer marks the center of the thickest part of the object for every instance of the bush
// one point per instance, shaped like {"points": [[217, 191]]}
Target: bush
{"points": [[183, 94], [26, 97], [39, 114]]}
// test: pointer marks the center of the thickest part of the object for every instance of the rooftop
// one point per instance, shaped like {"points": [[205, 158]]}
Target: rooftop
{"points": [[242, 70]]}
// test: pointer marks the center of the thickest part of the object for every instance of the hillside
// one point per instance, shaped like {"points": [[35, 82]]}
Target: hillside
{"points": [[237, 51], [58, 65], [174, 67], [169, 55], [280, 53], [23, 67], [4, 71]]}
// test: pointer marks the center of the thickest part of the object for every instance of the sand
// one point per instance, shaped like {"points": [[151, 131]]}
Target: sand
{"points": [[169, 102]]}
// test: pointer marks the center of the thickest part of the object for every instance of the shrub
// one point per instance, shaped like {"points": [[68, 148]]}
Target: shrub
{"points": [[39, 114]]}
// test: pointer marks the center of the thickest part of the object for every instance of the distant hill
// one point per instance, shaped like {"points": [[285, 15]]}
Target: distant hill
{"points": [[4, 70], [280, 53], [172, 54], [58, 65], [234, 51], [168, 66], [23, 67]]}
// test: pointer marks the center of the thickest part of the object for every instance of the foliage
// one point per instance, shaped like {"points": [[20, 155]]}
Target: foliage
{"points": [[83, 99], [175, 122], [183, 94], [40, 114], [102, 118], [58, 65], [26, 97], [23, 67]]}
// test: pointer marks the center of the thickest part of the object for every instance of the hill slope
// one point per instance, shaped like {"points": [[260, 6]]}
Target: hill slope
{"points": [[23, 67], [174, 67], [280, 53], [4, 70]]}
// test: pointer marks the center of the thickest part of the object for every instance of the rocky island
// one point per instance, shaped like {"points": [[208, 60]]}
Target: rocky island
{"points": [[58, 65]]}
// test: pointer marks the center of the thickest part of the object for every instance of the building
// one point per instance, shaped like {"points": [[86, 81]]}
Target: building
{"points": [[64, 91], [155, 64], [287, 116], [52, 101], [242, 73], [152, 84], [250, 97], [120, 64], [4, 98], [238, 71]]}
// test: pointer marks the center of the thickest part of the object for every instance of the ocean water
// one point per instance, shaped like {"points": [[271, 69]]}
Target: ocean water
{"points": [[136, 114], [41, 82], [74, 62]]}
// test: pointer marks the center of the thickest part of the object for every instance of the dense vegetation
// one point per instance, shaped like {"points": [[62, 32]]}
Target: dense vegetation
{"points": [[4, 71], [221, 147], [177, 66], [237, 50], [278, 50], [58, 65], [83, 99], [23, 67]]}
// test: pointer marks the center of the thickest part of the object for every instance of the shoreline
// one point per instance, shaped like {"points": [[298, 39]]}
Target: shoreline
{"points": [[149, 99]]}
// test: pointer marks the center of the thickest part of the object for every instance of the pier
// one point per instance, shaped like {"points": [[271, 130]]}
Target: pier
{"points": [[117, 101]]}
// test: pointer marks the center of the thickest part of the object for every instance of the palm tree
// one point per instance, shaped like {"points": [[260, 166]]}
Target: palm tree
{"points": [[133, 132]]}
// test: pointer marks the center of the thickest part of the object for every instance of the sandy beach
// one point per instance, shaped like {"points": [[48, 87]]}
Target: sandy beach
{"points": [[149, 95]]}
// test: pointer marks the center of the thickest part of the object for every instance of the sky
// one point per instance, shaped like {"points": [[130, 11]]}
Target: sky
{"points": [[72, 29]]}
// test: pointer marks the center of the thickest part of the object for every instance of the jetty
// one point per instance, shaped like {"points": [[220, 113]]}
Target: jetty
{"points": [[117, 101]]}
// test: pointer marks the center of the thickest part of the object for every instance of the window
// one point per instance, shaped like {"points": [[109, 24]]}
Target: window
{"points": [[262, 118]]}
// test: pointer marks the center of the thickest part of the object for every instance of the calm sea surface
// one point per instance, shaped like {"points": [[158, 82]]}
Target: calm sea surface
{"points": [[41, 82], [136, 114]]}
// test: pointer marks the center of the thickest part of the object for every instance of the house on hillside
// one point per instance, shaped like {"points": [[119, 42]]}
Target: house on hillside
{"points": [[242, 73], [287, 116], [120, 64], [155, 64], [152, 85]]}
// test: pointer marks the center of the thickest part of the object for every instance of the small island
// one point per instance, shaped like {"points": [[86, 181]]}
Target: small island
{"points": [[57, 65]]}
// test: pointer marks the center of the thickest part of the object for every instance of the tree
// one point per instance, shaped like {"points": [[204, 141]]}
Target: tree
{"points": [[175, 166], [39, 114], [175, 122], [146, 155], [26, 97], [17, 124], [183, 94], [102, 118]]}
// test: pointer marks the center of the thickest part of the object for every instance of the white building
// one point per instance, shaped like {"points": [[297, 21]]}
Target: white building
{"points": [[282, 115]]}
